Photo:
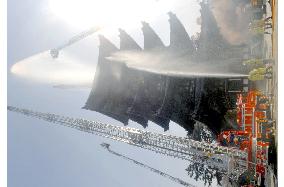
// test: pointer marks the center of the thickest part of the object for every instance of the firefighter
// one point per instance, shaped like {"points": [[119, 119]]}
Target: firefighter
{"points": [[263, 104], [258, 62], [228, 139], [260, 73], [224, 140], [256, 3], [232, 137], [259, 26], [253, 62], [258, 30], [236, 141], [264, 23]]}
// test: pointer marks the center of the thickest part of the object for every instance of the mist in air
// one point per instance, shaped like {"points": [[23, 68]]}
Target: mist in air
{"points": [[70, 71], [64, 70]]}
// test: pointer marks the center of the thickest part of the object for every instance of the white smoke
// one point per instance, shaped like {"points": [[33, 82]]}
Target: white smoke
{"points": [[63, 70], [233, 19]]}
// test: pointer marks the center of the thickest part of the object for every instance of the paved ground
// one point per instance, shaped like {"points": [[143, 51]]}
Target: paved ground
{"points": [[270, 52]]}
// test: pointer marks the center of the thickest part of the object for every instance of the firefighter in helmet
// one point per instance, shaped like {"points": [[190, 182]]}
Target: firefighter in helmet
{"points": [[260, 73]]}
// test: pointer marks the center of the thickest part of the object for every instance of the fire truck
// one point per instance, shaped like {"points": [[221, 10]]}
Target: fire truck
{"points": [[255, 130]]}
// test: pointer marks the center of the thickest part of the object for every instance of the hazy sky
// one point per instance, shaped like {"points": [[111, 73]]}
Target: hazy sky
{"points": [[41, 154]]}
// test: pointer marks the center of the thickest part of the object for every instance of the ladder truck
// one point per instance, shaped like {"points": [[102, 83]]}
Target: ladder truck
{"points": [[255, 130], [55, 51]]}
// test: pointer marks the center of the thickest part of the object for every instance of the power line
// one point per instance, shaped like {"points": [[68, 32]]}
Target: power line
{"points": [[175, 179]]}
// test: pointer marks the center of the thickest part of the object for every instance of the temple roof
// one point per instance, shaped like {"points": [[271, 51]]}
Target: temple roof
{"points": [[139, 119], [162, 122], [151, 38], [104, 85], [179, 38], [106, 48], [123, 93], [211, 43], [127, 42], [97, 96]]}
